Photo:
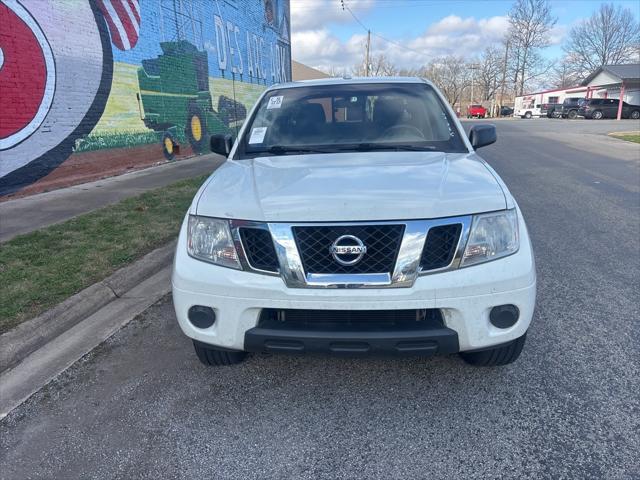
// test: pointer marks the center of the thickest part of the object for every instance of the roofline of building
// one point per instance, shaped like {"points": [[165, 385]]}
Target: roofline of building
{"points": [[608, 70], [550, 91]]}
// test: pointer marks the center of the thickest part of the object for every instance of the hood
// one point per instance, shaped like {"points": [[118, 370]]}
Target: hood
{"points": [[351, 187]]}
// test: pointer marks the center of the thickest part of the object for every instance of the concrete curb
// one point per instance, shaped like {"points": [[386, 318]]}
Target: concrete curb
{"points": [[18, 343]]}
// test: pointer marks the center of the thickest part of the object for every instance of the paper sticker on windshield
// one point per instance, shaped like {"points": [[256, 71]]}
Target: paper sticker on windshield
{"points": [[275, 102], [257, 135]]}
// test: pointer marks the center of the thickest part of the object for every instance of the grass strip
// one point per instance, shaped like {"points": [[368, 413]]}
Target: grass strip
{"points": [[629, 137], [40, 269]]}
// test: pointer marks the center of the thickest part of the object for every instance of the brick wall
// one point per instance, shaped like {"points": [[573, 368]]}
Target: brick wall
{"points": [[90, 88]]}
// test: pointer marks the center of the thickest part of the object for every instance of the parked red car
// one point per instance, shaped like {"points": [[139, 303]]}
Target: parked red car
{"points": [[476, 111]]}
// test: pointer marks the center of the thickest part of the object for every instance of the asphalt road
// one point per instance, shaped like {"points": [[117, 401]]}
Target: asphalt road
{"points": [[142, 406]]}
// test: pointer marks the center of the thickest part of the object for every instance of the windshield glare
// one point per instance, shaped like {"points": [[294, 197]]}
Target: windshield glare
{"points": [[331, 118]]}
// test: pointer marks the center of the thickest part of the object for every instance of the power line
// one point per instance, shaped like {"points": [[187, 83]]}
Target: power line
{"points": [[346, 7]]}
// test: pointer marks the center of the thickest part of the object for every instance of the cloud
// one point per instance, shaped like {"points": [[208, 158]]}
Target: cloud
{"points": [[466, 37], [557, 34]]}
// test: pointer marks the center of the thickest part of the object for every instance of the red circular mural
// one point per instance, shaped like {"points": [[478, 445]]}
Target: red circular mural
{"points": [[23, 73]]}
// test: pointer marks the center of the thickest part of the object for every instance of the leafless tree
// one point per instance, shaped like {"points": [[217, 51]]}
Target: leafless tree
{"points": [[334, 71], [529, 24], [379, 66], [563, 74], [610, 36], [450, 74], [489, 72]]}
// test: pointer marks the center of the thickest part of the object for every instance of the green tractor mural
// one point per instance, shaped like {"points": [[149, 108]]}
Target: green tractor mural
{"points": [[175, 100]]}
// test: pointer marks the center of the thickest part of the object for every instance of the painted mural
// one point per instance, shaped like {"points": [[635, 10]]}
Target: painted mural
{"points": [[85, 82]]}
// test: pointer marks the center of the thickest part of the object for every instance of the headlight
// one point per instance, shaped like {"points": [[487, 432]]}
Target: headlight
{"points": [[209, 239], [493, 235]]}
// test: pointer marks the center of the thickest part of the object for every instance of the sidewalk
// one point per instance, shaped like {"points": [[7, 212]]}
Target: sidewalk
{"points": [[24, 215]]}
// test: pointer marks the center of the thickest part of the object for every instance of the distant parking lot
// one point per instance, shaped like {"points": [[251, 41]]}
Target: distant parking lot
{"points": [[142, 406]]}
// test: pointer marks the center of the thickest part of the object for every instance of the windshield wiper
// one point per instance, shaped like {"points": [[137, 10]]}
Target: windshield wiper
{"points": [[367, 147]]}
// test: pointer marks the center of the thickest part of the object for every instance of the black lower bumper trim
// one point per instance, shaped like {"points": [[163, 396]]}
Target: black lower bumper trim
{"points": [[411, 342]]}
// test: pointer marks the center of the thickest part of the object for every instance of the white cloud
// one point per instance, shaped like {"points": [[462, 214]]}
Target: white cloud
{"points": [[466, 37], [558, 34]]}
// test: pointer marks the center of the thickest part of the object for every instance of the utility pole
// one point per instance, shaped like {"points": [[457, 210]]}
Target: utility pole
{"points": [[473, 67], [504, 74], [366, 66], [472, 70], [366, 59]]}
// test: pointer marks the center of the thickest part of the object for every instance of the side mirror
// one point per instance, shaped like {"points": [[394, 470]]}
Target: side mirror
{"points": [[221, 144], [482, 135]]}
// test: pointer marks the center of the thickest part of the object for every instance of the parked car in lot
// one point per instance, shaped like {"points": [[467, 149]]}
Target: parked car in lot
{"points": [[550, 110], [597, 108], [354, 216], [570, 107], [529, 111], [476, 111], [506, 111]]}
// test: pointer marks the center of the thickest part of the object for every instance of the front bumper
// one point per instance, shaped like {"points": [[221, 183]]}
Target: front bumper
{"points": [[400, 342], [464, 297]]}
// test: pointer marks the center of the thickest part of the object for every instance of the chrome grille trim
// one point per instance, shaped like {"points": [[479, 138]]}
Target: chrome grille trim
{"points": [[406, 270]]}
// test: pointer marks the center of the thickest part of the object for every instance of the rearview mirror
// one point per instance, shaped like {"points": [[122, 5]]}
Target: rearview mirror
{"points": [[482, 135], [221, 144]]}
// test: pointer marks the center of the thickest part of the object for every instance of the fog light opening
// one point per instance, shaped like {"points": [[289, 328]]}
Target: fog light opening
{"points": [[504, 316], [201, 317]]}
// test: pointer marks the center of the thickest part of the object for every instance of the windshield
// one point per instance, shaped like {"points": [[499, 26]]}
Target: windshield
{"points": [[357, 117]]}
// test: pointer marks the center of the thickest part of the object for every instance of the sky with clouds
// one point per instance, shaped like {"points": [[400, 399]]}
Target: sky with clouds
{"points": [[411, 32]]}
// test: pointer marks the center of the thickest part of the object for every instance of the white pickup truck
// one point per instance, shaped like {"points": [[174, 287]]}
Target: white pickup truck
{"points": [[353, 217]]}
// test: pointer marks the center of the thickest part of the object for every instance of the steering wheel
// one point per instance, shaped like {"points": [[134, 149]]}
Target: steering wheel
{"points": [[396, 129]]}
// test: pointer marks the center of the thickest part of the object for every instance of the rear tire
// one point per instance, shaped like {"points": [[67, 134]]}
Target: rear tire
{"points": [[572, 114], [494, 357], [215, 357], [597, 115], [528, 115]]}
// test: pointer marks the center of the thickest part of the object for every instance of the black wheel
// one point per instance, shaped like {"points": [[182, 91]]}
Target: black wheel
{"points": [[214, 357], [572, 114], [528, 115], [196, 128], [635, 115], [169, 146], [494, 357], [597, 115]]}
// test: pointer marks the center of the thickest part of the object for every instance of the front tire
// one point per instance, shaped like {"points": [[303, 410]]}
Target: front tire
{"points": [[528, 115], [635, 115], [498, 356], [196, 128], [215, 357], [169, 146], [572, 114]]}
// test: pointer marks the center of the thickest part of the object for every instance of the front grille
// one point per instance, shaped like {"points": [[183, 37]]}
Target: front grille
{"points": [[440, 246], [382, 242], [259, 248], [350, 320]]}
